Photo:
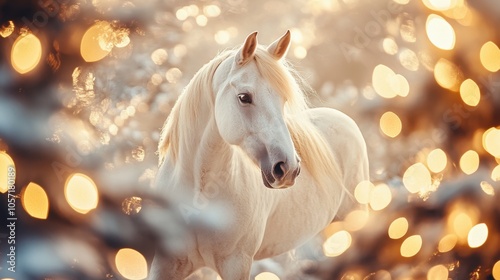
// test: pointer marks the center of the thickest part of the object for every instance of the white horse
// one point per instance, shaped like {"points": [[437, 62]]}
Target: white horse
{"points": [[243, 120]]}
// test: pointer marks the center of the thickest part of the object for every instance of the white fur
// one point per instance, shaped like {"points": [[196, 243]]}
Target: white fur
{"points": [[224, 141]]}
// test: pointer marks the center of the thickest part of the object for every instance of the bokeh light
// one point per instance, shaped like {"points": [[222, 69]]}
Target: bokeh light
{"points": [[159, 56], [131, 264], [417, 178], [26, 53], [436, 160], [440, 32], [35, 201], [362, 191], [496, 270], [380, 197], [267, 276], [398, 228], [490, 56], [461, 224], [81, 193], [447, 243], [94, 45], [222, 37], [469, 162], [387, 83], [438, 272], [390, 124], [337, 244], [487, 188], [495, 174], [390, 46], [439, 5], [411, 246], [491, 140], [447, 74], [5, 162], [477, 235], [356, 220], [469, 92]]}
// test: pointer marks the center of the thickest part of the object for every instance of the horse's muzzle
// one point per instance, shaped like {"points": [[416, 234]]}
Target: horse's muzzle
{"points": [[280, 176]]}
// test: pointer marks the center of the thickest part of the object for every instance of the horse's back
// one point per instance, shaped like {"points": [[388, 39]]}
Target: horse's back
{"points": [[347, 144]]}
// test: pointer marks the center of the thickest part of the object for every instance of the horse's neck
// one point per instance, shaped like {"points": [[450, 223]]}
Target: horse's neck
{"points": [[200, 156]]}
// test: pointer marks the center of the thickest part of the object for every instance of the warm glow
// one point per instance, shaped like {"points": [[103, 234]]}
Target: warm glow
{"points": [[462, 223], [487, 188], [267, 276], [490, 56], [388, 84], [447, 243], [356, 220], [436, 160], [131, 264], [159, 56], [26, 53], [390, 46], [477, 235], [211, 10], [362, 191], [491, 141], [411, 246], [469, 162], [440, 32], [5, 162], [390, 124], [438, 272], [222, 37], [496, 270], [81, 193], [439, 5], [447, 74], [469, 92], [495, 174], [380, 197], [35, 201], [300, 52], [337, 244], [93, 41], [417, 178], [398, 228]]}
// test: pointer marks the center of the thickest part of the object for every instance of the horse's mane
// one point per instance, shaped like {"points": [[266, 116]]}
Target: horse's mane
{"points": [[314, 151]]}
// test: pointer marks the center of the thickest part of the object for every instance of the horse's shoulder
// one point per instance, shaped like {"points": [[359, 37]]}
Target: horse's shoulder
{"points": [[329, 121]]}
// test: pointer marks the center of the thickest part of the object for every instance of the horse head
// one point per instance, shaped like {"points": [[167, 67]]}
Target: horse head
{"points": [[250, 109]]}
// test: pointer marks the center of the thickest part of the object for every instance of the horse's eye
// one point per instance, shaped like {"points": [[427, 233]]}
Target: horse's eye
{"points": [[245, 98]]}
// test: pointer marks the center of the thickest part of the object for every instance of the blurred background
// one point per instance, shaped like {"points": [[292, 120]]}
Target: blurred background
{"points": [[85, 87]]}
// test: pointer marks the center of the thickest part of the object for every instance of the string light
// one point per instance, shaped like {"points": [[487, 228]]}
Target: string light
{"points": [[35, 201], [81, 193], [469, 162], [411, 246], [417, 178], [440, 32], [436, 160], [131, 264], [477, 235], [490, 56], [398, 228], [390, 124], [26, 53]]}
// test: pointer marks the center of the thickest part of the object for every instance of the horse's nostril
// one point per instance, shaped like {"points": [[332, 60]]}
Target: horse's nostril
{"points": [[279, 170]]}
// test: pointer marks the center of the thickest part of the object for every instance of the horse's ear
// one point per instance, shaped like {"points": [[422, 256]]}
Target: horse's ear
{"points": [[248, 49], [279, 48]]}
